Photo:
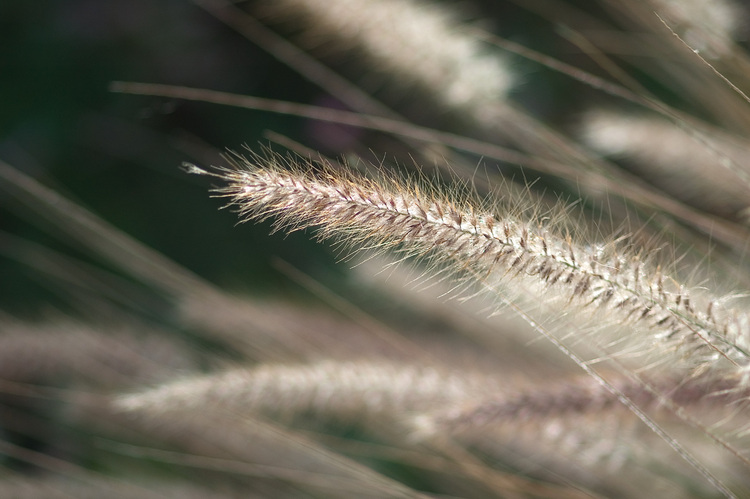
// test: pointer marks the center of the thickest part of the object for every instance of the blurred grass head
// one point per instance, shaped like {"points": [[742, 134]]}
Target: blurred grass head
{"points": [[531, 272]]}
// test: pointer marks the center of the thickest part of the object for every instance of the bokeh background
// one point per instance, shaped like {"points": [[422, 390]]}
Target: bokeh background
{"points": [[119, 155]]}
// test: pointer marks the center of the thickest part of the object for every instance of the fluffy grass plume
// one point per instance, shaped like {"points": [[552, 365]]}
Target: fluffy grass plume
{"points": [[530, 280]]}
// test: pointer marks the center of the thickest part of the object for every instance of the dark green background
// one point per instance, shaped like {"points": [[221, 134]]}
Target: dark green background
{"points": [[119, 155]]}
